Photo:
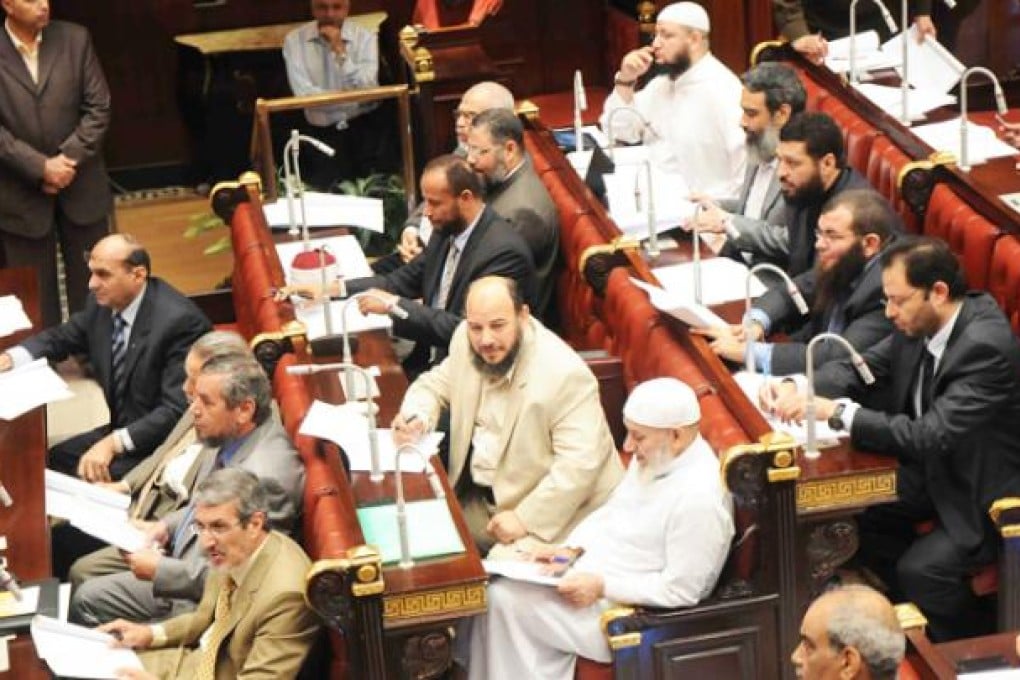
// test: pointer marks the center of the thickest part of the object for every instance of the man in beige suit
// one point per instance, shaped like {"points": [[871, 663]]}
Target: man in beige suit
{"points": [[252, 619], [530, 450]]}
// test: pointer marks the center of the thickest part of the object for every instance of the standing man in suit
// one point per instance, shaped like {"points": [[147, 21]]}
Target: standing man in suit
{"points": [[949, 380], [54, 113], [252, 619], [530, 450], [755, 222], [235, 424], [495, 150], [135, 330]]}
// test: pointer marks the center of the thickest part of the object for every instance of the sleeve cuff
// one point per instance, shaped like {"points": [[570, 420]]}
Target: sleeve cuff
{"points": [[762, 356], [159, 637], [761, 318], [849, 411], [341, 287], [127, 445], [19, 356]]}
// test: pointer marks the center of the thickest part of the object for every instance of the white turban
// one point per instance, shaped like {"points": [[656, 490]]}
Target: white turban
{"points": [[662, 403], [689, 14]]}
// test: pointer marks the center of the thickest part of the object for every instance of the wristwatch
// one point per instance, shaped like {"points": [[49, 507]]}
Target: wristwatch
{"points": [[836, 419], [618, 80]]}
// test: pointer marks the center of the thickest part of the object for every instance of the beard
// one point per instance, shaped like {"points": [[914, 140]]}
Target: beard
{"points": [[501, 367], [810, 194], [454, 226], [836, 280], [496, 177], [654, 463], [678, 66], [761, 146]]}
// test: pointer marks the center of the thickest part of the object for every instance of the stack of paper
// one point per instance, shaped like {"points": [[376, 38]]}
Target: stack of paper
{"points": [[919, 101], [930, 66], [521, 570], [328, 210], [751, 385], [627, 190], [870, 55], [430, 530], [310, 313], [26, 387], [12, 316], [688, 311], [79, 652], [982, 142], [99, 512], [722, 280]]}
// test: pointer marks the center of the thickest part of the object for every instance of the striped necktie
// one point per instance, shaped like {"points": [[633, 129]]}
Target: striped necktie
{"points": [[118, 351], [443, 296], [217, 632]]}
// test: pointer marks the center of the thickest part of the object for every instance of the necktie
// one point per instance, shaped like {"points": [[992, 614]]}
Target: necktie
{"points": [[927, 378], [219, 629], [447, 281], [118, 350]]}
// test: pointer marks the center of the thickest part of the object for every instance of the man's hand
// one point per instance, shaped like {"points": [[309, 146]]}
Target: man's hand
{"points": [[116, 487], [59, 171], [407, 430], [156, 533], [127, 634], [636, 63], [925, 27], [1009, 131], [6, 363], [311, 291], [506, 527], [409, 245], [581, 589], [813, 46], [331, 34], [377, 301], [50, 189], [709, 216], [730, 342], [793, 408], [94, 465], [143, 563], [775, 391]]}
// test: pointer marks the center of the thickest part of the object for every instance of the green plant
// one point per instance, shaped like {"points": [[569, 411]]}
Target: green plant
{"points": [[204, 223]]}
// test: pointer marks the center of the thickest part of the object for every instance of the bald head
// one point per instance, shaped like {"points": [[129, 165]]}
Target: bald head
{"points": [[483, 96], [119, 267], [495, 319]]}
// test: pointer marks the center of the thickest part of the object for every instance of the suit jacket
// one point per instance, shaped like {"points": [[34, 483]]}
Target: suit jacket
{"points": [[150, 500], [67, 112], [861, 316], [967, 445], [166, 326], [557, 461], [493, 248], [524, 201], [767, 238], [268, 453], [271, 627]]}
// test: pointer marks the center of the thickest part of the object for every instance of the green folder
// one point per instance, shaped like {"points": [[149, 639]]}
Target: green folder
{"points": [[430, 530]]}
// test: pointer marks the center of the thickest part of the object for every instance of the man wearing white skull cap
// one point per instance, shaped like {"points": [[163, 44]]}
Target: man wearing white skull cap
{"points": [[660, 540], [689, 115]]}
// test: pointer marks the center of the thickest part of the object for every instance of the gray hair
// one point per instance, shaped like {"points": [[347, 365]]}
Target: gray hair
{"points": [[494, 94], [234, 484], [243, 379], [780, 84], [502, 125], [854, 624], [215, 344]]}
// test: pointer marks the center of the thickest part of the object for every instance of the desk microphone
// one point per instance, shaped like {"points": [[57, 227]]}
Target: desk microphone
{"points": [[8, 583]]}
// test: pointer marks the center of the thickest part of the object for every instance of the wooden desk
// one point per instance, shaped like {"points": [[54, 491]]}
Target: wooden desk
{"points": [[938, 661]]}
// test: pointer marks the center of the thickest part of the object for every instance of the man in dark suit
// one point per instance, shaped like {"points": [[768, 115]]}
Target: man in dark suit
{"points": [[843, 291], [135, 330], [54, 113], [950, 378], [495, 150]]}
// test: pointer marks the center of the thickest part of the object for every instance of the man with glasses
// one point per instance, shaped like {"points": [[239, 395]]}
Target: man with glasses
{"points": [[946, 403], [252, 619], [234, 423], [135, 331]]}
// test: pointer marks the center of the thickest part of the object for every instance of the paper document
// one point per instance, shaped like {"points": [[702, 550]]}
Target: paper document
{"points": [[521, 570], [70, 497], [722, 280], [751, 385], [28, 604], [919, 101], [26, 387], [328, 210], [347, 427], [358, 385], [1012, 200], [982, 142], [12, 316], [430, 530], [77, 651], [310, 313], [869, 54], [998, 674], [691, 313], [118, 532], [629, 198], [930, 66], [347, 250]]}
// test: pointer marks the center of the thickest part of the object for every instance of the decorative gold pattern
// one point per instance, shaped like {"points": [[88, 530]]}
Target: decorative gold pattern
{"points": [[844, 491], [463, 599], [783, 459], [625, 640], [1002, 505], [761, 47], [910, 616], [418, 57]]}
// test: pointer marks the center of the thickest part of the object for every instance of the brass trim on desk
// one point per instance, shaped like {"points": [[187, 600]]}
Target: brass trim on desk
{"points": [[860, 489], [461, 599], [761, 47], [909, 616], [419, 58], [625, 640], [528, 109], [1002, 505], [617, 244], [787, 474]]}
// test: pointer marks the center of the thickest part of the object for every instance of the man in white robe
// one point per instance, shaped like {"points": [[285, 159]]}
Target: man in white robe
{"points": [[689, 116], [660, 540]]}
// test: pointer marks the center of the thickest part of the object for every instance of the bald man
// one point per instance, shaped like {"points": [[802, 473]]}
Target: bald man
{"points": [[849, 633], [660, 541], [135, 330]]}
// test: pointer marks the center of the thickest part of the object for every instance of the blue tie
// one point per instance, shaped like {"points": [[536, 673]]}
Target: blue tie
{"points": [[118, 351]]}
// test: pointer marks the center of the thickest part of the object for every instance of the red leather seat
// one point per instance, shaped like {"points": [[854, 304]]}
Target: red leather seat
{"points": [[1004, 278], [970, 235], [858, 134], [885, 162]]}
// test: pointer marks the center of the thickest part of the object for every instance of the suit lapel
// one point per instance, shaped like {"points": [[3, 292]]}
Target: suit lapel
{"points": [[471, 390], [48, 53], [247, 591], [515, 397], [912, 361], [140, 330], [12, 62], [771, 194]]}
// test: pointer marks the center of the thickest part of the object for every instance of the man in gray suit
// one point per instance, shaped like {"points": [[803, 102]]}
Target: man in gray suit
{"points": [[234, 422], [755, 223], [54, 113], [495, 150]]}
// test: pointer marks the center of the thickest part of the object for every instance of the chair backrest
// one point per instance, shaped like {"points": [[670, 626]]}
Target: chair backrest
{"points": [[970, 235], [1004, 278]]}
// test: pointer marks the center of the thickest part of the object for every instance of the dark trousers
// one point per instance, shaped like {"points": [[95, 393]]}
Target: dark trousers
{"points": [[366, 147], [64, 457], [75, 241], [930, 570], [67, 544]]}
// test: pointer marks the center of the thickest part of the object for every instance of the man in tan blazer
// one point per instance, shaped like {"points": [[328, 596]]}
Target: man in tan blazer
{"points": [[530, 450], [252, 619]]}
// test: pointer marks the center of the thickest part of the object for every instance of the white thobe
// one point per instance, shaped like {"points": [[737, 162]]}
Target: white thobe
{"points": [[659, 544], [695, 122]]}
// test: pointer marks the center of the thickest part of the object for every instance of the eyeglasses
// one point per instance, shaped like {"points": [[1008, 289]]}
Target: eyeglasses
{"points": [[479, 151], [461, 113], [216, 529], [898, 302], [832, 236]]}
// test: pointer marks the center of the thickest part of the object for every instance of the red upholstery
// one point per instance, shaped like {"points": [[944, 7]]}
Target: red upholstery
{"points": [[858, 135], [815, 92], [1004, 278], [885, 162], [970, 235], [256, 272]]}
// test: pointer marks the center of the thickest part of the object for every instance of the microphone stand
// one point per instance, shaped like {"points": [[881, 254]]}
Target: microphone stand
{"points": [[791, 290], [348, 355], [645, 127], [811, 445], [1000, 102], [406, 562], [580, 104]]}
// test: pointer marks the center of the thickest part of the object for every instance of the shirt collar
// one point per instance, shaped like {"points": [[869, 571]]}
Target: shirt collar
{"points": [[240, 572], [938, 342], [19, 44], [461, 239], [131, 311]]}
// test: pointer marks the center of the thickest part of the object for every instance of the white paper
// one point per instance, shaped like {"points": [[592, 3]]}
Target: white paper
{"points": [[12, 316], [919, 101], [310, 313], [69, 497], [870, 56], [348, 428], [118, 532], [29, 603], [691, 313], [350, 258], [628, 196], [26, 387], [751, 385], [79, 652], [929, 64], [982, 142], [722, 280], [328, 210], [1012, 200], [521, 570], [998, 674]]}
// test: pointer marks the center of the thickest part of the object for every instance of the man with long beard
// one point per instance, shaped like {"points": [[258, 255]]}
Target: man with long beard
{"points": [[843, 290], [660, 541], [530, 450], [689, 114]]}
